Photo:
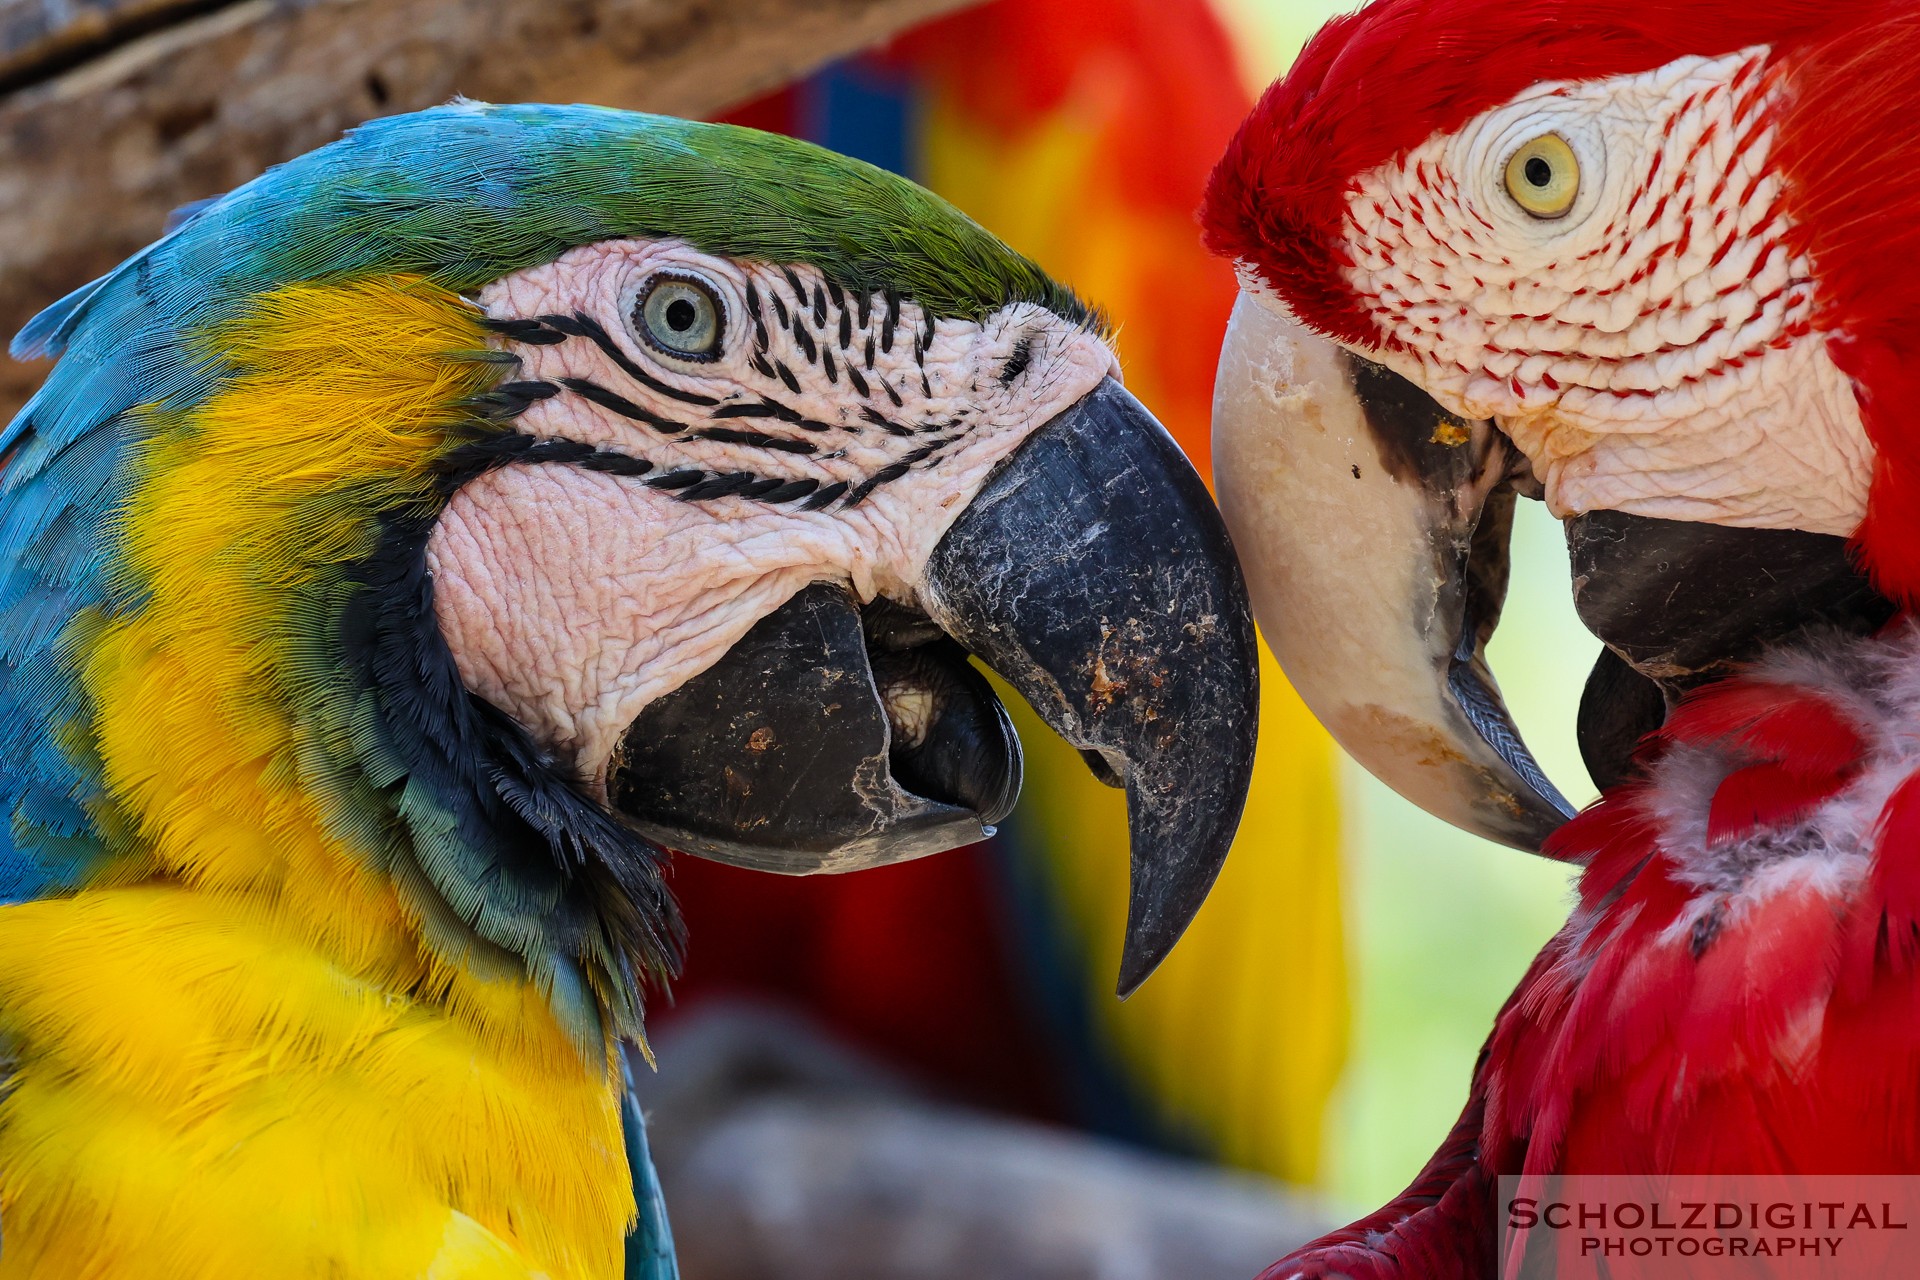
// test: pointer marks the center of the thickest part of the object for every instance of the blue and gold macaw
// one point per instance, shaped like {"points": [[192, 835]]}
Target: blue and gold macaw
{"points": [[416, 542]]}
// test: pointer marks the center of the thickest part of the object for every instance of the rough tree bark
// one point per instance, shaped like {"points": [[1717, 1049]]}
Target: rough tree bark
{"points": [[113, 112]]}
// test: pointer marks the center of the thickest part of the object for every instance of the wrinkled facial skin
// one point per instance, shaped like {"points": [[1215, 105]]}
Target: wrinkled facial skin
{"points": [[828, 438], [1653, 350]]}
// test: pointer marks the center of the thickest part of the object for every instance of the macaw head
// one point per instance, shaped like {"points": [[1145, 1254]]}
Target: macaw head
{"points": [[492, 499], [1646, 263]]}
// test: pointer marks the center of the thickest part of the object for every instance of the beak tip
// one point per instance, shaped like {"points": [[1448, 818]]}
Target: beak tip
{"points": [[1138, 960], [1139, 650]]}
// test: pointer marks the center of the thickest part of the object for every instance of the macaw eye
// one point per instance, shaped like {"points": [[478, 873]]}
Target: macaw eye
{"points": [[681, 316], [1543, 177]]}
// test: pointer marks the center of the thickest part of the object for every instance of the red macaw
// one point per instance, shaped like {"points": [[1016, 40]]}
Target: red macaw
{"points": [[1654, 265]]}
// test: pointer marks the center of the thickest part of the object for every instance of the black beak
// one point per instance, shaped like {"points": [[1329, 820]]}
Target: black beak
{"points": [[1094, 574], [1679, 604]]}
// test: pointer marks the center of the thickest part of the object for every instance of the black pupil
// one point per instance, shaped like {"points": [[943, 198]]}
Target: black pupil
{"points": [[681, 313], [1539, 172]]}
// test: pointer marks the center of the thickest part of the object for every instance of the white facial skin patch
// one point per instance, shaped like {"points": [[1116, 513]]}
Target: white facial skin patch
{"points": [[683, 497], [1651, 349]]}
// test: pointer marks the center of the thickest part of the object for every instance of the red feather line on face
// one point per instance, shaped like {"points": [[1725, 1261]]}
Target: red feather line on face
{"points": [[1373, 85]]}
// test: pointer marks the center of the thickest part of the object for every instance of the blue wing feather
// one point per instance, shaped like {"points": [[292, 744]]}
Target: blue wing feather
{"points": [[650, 1244]]}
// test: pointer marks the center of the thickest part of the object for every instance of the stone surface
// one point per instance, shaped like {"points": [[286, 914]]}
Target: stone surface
{"points": [[114, 112]]}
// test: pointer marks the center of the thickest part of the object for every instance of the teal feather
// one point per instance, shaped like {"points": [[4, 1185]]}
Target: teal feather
{"points": [[650, 1253]]}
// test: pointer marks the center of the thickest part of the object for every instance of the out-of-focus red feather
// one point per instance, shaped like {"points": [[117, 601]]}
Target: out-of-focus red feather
{"points": [[907, 962], [1133, 100], [1854, 100]]}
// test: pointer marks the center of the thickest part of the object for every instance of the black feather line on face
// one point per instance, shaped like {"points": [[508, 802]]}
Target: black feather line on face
{"points": [[759, 320], [788, 491], [719, 486], [824, 497], [757, 440], [765, 408], [626, 408], [678, 479], [587, 327], [1018, 362], [531, 332], [885, 475], [508, 399], [805, 339], [880, 420], [689, 484], [520, 853]]}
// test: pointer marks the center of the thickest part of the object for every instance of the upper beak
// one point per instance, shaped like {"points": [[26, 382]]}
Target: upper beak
{"points": [[1373, 526], [1094, 574]]}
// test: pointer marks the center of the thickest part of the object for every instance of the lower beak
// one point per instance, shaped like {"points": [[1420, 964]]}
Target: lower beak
{"points": [[1680, 604], [1373, 526], [1093, 573]]}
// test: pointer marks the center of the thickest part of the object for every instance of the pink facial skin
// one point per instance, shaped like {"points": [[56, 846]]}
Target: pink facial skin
{"points": [[572, 597]]}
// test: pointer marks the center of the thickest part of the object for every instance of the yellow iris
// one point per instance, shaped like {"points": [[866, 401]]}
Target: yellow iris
{"points": [[1543, 177]]}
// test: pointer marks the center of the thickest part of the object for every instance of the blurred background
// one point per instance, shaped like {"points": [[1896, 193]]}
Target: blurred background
{"points": [[922, 1070]]}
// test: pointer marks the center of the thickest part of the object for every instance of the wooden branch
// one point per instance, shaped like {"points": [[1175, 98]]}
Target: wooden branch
{"points": [[812, 1187], [117, 111], [785, 1152]]}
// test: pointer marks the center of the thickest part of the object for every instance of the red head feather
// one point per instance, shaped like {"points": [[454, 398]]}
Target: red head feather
{"points": [[1375, 84], [1379, 82]]}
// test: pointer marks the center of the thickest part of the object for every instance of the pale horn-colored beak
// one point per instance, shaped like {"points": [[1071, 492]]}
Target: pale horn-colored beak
{"points": [[1373, 526]]}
